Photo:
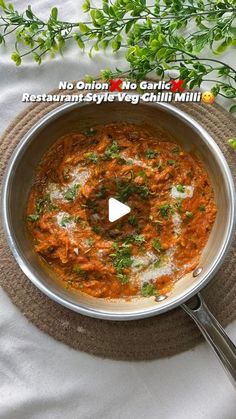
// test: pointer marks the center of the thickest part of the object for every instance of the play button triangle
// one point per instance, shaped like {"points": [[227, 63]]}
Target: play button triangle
{"points": [[116, 209]]}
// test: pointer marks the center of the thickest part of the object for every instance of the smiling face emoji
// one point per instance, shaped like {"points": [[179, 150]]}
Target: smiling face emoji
{"points": [[208, 97]]}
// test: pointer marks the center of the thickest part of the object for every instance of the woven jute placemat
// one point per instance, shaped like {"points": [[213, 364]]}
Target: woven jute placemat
{"points": [[156, 337]]}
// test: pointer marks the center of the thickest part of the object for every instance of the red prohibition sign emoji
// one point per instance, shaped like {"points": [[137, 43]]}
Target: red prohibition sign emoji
{"points": [[115, 85]]}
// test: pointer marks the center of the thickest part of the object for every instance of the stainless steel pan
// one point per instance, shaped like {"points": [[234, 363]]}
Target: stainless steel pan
{"points": [[189, 134]]}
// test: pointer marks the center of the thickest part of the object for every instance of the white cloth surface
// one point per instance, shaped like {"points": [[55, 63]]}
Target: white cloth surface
{"points": [[44, 379]]}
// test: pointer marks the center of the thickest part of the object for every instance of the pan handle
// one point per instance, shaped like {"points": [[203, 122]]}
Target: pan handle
{"points": [[214, 335]]}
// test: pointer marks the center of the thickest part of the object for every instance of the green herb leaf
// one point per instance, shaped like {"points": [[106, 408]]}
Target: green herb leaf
{"points": [[143, 191], [157, 264], [92, 156], [175, 150], [123, 278], [77, 218], [148, 290], [164, 210], [112, 152], [202, 208], [90, 241], [65, 220], [77, 269], [178, 204], [33, 217], [156, 244], [180, 188], [189, 214], [139, 239], [71, 192], [151, 154], [45, 204], [121, 259], [132, 220], [90, 132], [96, 229]]}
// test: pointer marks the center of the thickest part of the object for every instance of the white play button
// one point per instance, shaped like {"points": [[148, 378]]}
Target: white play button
{"points": [[116, 209]]}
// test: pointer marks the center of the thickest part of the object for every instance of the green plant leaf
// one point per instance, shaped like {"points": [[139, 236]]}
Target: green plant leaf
{"points": [[54, 13], [233, 109], [232, 143], [29, 13], [86, 6], [3, 4], [79, 40], [16, 58], [37, 58], [83, 28]]}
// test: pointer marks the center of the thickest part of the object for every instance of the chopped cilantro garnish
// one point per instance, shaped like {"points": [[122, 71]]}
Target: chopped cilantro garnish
{"points": [[65, 220], [143, 191], [121, 161], [139, 239], [202, 208], [157, 264], [96, 229], [121, 259], [175, 150], [124, 190], [33, 217], [102, 192], [123, 278], [89, 132], [164, 210], [151, 154], [91, 204], [158, 226], [92, 156], [178, 204], [70, 194], [148, 290], [90, 241], [159, 166], [132, 220], [143, 175], [43, 203], [180, 188], [156, 244], [171, 162], [112, 152], [137, 264], [77, 269], [189, 214]]}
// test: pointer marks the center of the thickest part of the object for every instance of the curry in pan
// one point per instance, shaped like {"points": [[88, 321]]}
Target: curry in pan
{"points": [[146, 251]]}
